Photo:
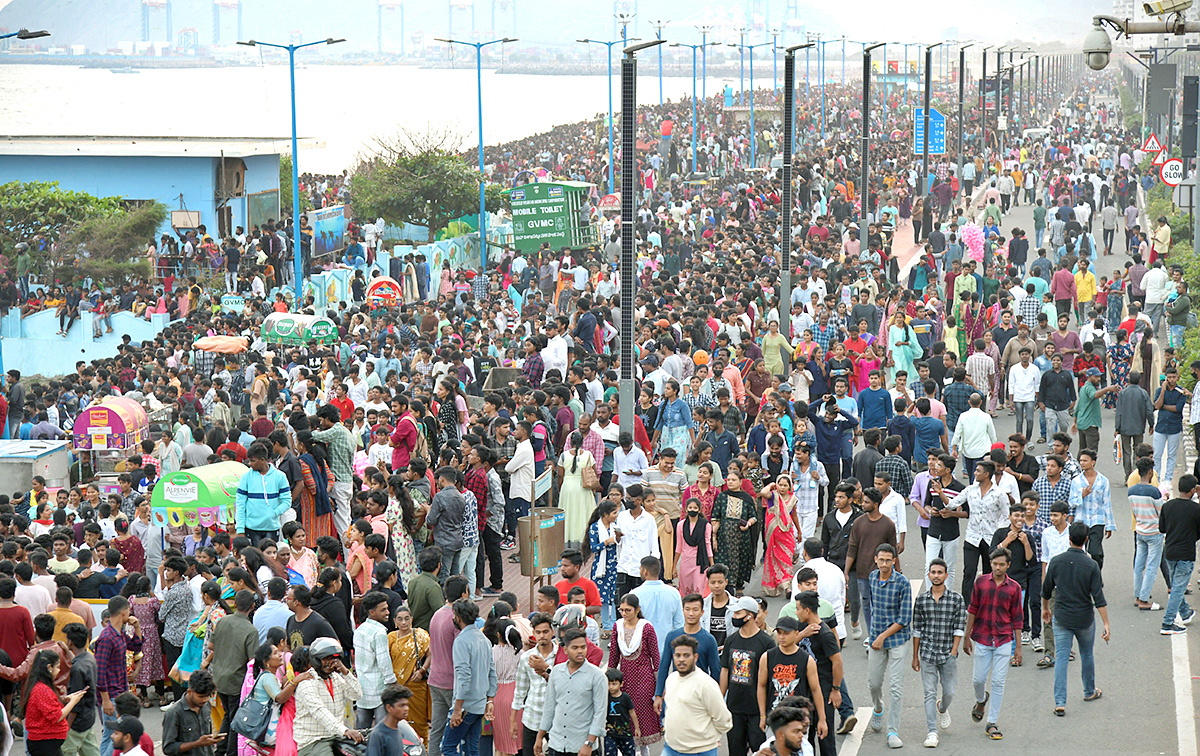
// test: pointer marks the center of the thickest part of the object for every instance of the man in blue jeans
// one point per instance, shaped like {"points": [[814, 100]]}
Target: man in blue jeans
{"points": [[1180, 521], [1168, 426], [474, 683], [1073, 581], [111, 670]]}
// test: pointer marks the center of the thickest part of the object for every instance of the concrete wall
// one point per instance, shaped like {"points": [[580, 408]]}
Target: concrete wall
{"points": [[32, 345], [163, 179]]}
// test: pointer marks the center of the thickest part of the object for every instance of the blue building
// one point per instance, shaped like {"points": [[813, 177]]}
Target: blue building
{"points": [[218, 182]]}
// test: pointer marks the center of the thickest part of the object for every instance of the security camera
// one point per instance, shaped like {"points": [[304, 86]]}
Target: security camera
{"points": [[1166, 7], [1097, 46]]}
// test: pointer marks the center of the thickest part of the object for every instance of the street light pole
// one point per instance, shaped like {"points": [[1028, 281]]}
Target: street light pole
{"points": [[629, 192], [983, 105], [297, 258], [785, 236], [659, 25], [704, 30], [694, 48], [753, 135], [927, 213], [479, 106], [962, 84], [775, 60], [609, 46], [864, 192], [741, 67]]}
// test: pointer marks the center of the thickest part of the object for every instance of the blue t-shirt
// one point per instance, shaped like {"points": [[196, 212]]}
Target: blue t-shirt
{"points": [[928, 432], [874, 407], [1168, 422]]}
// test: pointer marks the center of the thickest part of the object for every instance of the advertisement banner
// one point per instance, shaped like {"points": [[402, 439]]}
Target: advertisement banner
{"points": [[329, 230]]}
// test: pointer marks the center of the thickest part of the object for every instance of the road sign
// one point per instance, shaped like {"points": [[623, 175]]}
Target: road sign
{"points": [[1182, 196], [609, 203], [1160, 157], [1152, 144], [1171, 172], [937, 132]]}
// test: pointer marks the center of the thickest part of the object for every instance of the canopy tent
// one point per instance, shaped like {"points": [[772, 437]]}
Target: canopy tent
{"points": [[116, 422], [384, 292], [199, 495], [291, 329]]}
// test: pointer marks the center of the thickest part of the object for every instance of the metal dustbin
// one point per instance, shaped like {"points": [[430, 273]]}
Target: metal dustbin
{"points": [[542, 536]]}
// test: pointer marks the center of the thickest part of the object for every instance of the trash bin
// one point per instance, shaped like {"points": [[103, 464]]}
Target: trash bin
{"points": [[542, 536]]}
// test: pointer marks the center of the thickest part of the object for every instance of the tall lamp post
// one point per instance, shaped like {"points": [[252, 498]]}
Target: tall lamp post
{"points": [[962, 83], [659, 25], [864, 192], [785, 237], [297, 258], [609, 45], [629, 192], [853, 42], [704, 30], [753, 135], [693, 48], [927, 213], [742, 66], [479, 105], [983, 104], [775, 60]]}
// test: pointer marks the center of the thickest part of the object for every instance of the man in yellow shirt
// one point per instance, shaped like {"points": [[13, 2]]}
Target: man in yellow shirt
{"points": [[1085, 288]]}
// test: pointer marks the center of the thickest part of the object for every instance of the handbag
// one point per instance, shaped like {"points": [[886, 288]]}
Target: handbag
{"points": [[253, 717], [591, 480]]}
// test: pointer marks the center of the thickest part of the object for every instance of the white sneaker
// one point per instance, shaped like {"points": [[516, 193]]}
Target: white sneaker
{"points": [[943, 719], [894, 741], [856, 631], [1037, 645], [931, 740], [1025, 638]]}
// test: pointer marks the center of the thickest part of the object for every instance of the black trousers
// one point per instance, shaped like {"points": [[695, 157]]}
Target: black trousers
{"points": [[625, 584], [528, 739], [44, 747], [744, 736], [170, 656], [834, 472], [974, 554], [489, 551], [230, 702], [1095, 544]]}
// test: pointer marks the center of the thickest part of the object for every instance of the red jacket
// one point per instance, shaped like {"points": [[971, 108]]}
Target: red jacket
{"points": [[43, 715]]}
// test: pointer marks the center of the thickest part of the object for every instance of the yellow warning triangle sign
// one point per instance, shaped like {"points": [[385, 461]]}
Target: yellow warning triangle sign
{"points": [[1160, 158], [1152, 144]]}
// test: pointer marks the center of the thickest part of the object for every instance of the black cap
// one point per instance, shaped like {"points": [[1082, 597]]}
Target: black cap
{"points": [[129, 725]]}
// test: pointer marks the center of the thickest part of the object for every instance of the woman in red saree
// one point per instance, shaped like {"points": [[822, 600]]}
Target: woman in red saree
{"points": [[782, 525]]}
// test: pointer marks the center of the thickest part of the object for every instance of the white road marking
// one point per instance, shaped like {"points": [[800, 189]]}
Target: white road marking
{"points": [[1185, 718]]}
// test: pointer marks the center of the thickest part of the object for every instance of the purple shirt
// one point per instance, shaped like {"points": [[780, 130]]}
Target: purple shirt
{"points": [[442, 633], [1068, 341]]}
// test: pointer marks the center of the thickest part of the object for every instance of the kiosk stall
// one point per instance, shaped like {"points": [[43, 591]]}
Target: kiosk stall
{"points": [[197, 496], [110, 431]]}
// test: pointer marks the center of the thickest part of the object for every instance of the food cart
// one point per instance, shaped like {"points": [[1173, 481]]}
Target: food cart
{"points": [[110, 431], [197, 496], [384, 292]]}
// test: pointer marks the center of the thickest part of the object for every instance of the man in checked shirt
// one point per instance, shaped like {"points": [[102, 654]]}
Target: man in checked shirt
{"points": [[938, 625]]}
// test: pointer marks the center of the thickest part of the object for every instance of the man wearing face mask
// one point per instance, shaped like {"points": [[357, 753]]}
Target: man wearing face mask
{"points": [[739, 675]]}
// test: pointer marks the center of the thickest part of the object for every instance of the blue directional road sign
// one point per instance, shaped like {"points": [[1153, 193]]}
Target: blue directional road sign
{"points": [[937, 132]]}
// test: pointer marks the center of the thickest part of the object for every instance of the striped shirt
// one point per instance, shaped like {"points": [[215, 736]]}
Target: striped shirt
{"points": [[1096, 507], [1049, 493], [891, 603], [372, 662], [341, 451], [1146, 502], [529, 697]]}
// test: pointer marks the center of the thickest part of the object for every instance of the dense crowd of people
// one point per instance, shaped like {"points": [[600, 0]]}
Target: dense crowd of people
{"points": [[363, 569]]}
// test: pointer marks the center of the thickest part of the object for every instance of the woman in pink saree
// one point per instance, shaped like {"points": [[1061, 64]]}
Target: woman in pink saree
{"points": [[782, 525]]}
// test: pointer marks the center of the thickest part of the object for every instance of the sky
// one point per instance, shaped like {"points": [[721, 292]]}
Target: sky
{"points": [[552, 21]]}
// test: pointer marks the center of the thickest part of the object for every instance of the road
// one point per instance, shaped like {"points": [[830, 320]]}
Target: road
{"points": [[1148, 705]]}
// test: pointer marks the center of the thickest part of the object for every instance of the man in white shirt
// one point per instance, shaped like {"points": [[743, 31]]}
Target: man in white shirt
{"points": [[1157, 285], [657, 377], [628, 461], [831, 581], [356, 387], [36, 598], [554, 356], [637, 537], [895, 507], [1024, 379]]}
